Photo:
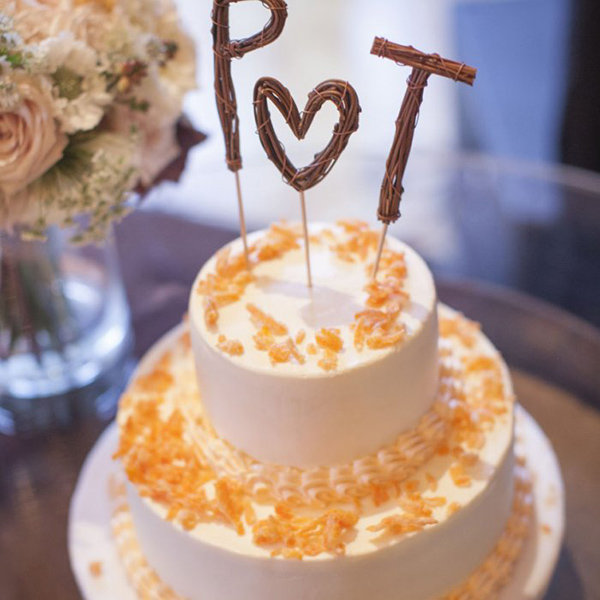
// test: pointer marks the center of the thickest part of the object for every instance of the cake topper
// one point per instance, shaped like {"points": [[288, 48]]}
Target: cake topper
{"points": [[345, 99], [224, 49], [423, 66]]}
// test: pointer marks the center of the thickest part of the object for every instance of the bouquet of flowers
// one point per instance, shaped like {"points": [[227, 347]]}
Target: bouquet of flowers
{"points": [[90, 94]]}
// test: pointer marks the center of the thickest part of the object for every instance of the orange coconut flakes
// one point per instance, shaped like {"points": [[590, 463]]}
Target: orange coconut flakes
{"points": [[378, 329], [262, 319], [401, 524], [452, 508], [387, 293], [231, 347], [231, 277], [228, 283], [359, 242], [461, 327], [287, 532], [329, 360], [283, 352], [329, 339], [432, 482], [458, 475], [96, 568]]}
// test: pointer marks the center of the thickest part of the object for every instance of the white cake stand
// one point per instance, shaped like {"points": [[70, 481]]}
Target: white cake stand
{"points": [[90, 538]]}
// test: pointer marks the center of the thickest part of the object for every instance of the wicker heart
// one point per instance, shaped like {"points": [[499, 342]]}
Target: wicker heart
{"points": [[345, 99]]}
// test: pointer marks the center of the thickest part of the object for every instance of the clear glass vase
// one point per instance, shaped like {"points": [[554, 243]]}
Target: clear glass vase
{"points": [[65, 332]]}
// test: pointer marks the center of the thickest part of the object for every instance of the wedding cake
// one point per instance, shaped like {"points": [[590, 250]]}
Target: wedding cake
{"points": [[354, 440]]}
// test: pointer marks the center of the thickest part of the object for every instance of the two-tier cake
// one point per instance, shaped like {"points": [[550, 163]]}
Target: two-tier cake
{"points": [[351, 441]]}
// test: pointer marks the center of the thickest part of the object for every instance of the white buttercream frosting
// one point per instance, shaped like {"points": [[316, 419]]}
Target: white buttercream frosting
{"points": [[296, 413]]}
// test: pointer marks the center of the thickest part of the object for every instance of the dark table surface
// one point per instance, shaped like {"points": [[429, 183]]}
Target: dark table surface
{"points": [[555, 360]]}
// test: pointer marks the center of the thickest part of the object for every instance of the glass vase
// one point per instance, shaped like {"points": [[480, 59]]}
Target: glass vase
{"points": [[65, 332]]}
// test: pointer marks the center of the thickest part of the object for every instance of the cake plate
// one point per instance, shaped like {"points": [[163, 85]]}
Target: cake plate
{"points": [[90, 538]]}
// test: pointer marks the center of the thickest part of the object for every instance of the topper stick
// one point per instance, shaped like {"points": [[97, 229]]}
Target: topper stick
{"points": [[306, 242], [380, 249], [423, 65], [242, 218], [224, 49]]}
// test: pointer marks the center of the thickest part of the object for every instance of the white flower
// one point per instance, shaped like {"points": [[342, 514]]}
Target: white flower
{"points": [[80, 95], [157, 145], [30, 141]]}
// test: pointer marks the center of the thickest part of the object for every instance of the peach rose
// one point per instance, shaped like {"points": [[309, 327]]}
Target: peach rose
{"points": [[30, 142]]}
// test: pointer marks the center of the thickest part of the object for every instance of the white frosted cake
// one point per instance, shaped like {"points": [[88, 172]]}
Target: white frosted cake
{"points": [[353, 441]]}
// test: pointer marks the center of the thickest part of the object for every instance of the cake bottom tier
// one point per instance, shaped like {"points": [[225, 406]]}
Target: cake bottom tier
{"points": [[382, 578]]}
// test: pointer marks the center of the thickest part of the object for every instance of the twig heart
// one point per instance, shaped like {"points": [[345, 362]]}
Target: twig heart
{"points": [[340, 93]]}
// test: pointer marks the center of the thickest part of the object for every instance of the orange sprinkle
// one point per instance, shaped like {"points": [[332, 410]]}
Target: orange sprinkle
{"points": [[230, 502], [211, 312], [284, 351], [352, 225], [329, 361], [459, 477], [380, 329], [452, 508], [443, 450], [469, 459], [280, 238], [96, 568], [480, 363], [396, 525], [263, 339], [231, 347], [460, 327], [295, 536], [359, 242], [329, 339], [157, 381], [388, 293], [379, 494], [300, 336], [411, 486], [546, 528], [432, 483], [376, 342], [311, 349], [262, 319]]}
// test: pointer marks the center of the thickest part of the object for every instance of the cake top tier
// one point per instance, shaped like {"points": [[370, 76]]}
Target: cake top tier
{"points": [[311, 377], [268, 320]]}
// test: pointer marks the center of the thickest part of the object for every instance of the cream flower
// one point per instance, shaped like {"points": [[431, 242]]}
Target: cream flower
{"points": [[157, 145], [80, 90], [34, 20], [30, 141]]}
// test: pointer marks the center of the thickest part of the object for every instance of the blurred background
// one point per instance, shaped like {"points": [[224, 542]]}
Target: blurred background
{"points": [[502, 184]]}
